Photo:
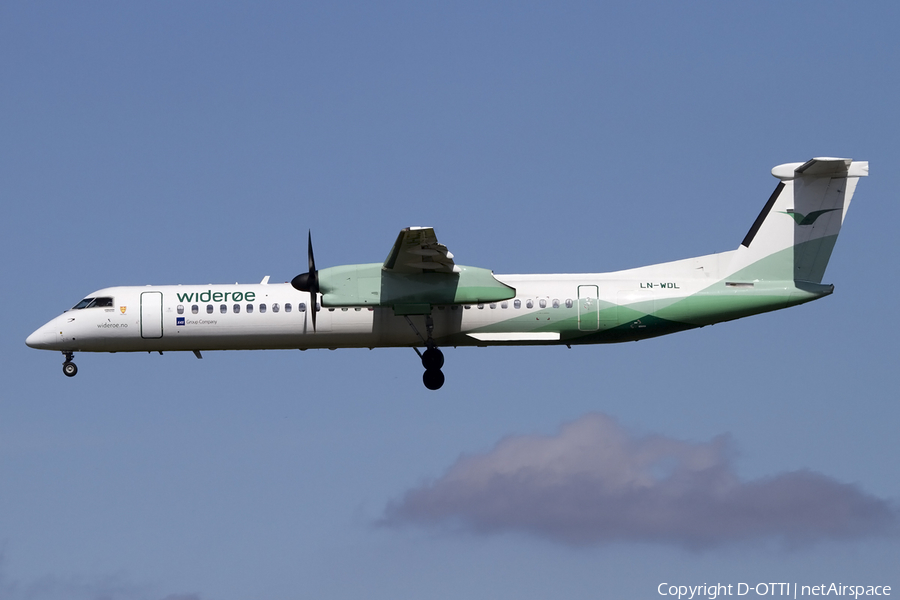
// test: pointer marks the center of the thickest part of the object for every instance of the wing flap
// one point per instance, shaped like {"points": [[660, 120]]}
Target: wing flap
{"points": [[418, 251]]}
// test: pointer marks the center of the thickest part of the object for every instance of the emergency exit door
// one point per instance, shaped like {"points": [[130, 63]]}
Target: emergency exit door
{"points": [[588, 308]]}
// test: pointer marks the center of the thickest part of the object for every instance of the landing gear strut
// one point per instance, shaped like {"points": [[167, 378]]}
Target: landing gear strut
{"points": [[432, 358], [69, 368]]}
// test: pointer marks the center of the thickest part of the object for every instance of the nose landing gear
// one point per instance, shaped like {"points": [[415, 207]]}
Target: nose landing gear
{"points": [[69, 368]]}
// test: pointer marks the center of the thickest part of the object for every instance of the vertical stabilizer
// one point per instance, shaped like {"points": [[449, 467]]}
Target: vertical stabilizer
{"points": [[794, 235]]}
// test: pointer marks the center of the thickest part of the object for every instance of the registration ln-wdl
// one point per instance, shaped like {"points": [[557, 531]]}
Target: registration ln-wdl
{"points": [[420, 298]]}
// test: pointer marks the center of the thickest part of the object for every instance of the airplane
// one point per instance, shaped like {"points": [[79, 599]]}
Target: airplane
{"points": [[420, 298]]}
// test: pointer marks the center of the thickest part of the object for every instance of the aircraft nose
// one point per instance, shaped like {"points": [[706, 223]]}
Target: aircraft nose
{"points": [[41, 339]]}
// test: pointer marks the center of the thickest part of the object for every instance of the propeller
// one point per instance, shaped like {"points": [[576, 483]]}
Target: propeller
{"points": [[309, 282]]}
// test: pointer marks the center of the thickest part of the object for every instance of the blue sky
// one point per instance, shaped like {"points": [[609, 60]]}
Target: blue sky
{"points": [[198, 142]]}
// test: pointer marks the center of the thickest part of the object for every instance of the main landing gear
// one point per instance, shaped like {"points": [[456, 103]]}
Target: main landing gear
{"points": [[432, 358], [69, 368]]}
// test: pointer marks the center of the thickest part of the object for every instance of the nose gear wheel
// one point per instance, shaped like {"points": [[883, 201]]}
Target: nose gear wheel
{"points": [[69, 368]]}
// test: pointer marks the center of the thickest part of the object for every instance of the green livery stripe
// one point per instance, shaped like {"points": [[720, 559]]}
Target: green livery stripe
{"points": [[750, 291], [804, 262]]}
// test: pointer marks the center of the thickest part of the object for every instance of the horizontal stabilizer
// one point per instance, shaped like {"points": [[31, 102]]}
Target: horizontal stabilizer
{"points": [[822, 167]]}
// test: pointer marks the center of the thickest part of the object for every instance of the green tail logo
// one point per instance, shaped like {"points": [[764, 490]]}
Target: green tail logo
{"points": [[809, 219]]}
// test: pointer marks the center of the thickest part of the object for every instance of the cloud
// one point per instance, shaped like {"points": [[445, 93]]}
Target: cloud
{"points": [[594, 483]]}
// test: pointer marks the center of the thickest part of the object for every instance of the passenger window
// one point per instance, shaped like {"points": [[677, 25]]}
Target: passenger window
{"points": [[517, 303], [209, 309], [555, 303], [467, 307], [237, 308], [543, 303], [358, 308], [223, 309], [287, 307], [493, 305], [262, 308], [275, 307], [343, 309], [249, 308], [480, 306], [529, 303], [454, 307], [301, 307], [195, 309], [180, 309], [568, 303], [441, 307], [504, 305]]}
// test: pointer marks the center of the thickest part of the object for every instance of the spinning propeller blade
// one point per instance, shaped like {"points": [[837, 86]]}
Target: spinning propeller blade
{"points": [[309, 282]]}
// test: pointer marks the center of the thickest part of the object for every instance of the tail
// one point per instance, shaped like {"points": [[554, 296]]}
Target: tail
{"points": [[794, 235]]}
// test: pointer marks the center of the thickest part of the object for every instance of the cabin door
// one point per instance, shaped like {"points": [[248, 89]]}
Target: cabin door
{"points": [[151, 315], [588, 308]]}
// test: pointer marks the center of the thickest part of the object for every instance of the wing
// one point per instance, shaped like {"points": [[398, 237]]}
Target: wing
{"points": [[418, 273], [418, 251]]}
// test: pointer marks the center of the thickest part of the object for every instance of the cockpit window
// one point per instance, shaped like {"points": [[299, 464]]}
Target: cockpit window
{"points": [[93, 303]]}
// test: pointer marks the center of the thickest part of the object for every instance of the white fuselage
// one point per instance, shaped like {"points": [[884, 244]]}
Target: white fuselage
{"points": [[547, 309]]}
